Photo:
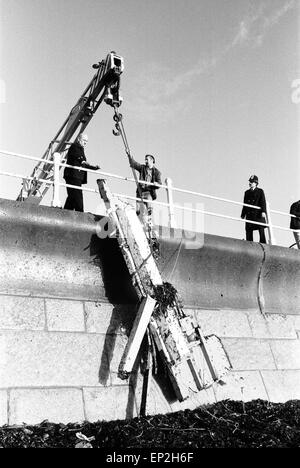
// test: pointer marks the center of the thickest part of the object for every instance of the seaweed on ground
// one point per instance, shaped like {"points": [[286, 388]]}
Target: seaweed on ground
{"points": [[226, 424]]}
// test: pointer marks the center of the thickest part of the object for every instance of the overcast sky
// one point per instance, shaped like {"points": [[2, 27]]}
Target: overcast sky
{"points": [[208, 87]]}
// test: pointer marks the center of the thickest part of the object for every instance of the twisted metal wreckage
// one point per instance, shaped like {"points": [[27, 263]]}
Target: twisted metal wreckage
{"points": [[193, 361]]}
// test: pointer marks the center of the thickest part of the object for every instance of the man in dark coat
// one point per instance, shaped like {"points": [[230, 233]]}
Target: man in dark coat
{"points": [[149, 173], [76, 157], [256, 197], [295, 222]]}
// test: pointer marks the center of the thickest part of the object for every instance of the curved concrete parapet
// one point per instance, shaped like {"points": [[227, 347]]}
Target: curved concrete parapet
{"points": [[52, 252], [280, 278], [234, 274], [220, 273]]}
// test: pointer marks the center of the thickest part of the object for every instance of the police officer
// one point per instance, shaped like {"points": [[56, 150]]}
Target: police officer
{"points": [[76, 157], [295, 222], [254, 196]]}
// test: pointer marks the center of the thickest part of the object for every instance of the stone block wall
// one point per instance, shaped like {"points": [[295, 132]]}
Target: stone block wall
{"points": [[59, 360], [264, 352]]}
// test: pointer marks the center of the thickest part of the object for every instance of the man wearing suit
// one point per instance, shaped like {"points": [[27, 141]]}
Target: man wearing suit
{"points": [[254, 196], [76, 157], [295, 222]]}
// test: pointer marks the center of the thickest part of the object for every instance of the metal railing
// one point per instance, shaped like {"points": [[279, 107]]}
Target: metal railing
{"points": [[168, 186]]}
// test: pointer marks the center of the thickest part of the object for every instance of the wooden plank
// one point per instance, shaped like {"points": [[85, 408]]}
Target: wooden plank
{"points": [[136, 336], [139, 247]]}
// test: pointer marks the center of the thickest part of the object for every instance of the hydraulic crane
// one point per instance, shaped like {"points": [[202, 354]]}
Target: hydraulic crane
{"points": [[105, 87]]}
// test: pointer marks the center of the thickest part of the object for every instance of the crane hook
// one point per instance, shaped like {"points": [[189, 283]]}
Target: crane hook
{"points": [[117, 117]]}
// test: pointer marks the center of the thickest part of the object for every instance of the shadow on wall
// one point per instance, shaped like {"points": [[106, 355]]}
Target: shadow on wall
{"points": [[115, 275], [121, 322]]}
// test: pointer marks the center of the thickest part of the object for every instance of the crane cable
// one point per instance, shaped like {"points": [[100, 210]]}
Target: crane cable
{"points": [[120, 130]]}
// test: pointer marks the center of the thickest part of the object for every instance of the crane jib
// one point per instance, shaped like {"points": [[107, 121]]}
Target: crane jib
{"points": [[104, 86]]}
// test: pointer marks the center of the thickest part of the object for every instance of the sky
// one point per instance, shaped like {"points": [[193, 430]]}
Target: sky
{"points": [[210, 87]]}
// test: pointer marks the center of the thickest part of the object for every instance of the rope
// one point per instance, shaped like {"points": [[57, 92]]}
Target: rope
{"points": [[176, 261]]}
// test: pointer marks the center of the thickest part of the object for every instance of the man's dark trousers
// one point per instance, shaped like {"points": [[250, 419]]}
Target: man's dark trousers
{"points": [[74, 200], [249, 233]]}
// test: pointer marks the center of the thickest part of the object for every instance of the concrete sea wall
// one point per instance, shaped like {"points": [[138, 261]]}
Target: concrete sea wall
{"points": [[67, 306]]}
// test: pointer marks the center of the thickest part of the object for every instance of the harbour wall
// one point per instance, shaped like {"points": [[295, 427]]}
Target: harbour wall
{"points": [[67, 306]]}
